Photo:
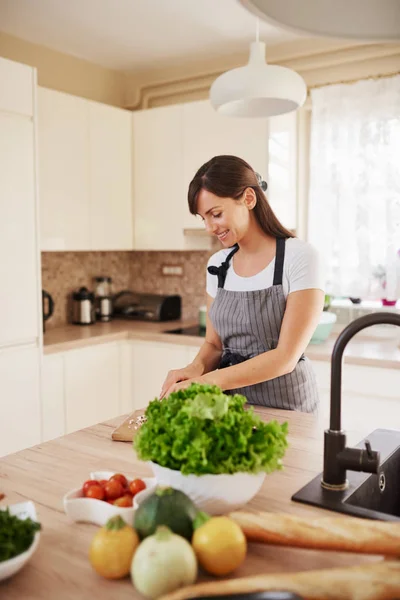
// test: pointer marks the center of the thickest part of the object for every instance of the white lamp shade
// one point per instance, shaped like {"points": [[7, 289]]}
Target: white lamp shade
{"points": [[258, 90], [363, 20]]}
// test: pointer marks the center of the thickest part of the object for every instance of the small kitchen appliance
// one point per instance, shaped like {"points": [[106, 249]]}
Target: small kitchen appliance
{"points": [[147, 307], [46, 314], [103, 299], [83, 312]]}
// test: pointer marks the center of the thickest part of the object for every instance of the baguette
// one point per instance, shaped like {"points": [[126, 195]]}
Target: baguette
{"points": [[377, 581], [344, 534]]}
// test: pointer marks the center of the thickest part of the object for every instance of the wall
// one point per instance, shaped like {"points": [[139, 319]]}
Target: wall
{"points": [[63, 272], [66, 73], [319, 61]]}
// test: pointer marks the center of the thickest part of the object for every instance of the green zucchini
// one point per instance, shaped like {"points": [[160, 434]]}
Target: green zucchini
{"points": [[169, 507]]}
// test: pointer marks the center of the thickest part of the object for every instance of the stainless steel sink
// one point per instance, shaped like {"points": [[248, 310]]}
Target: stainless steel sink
{"points": [[372, 496]]}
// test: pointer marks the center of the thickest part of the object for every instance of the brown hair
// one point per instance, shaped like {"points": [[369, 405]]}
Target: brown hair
{"points": [[228, 177]]}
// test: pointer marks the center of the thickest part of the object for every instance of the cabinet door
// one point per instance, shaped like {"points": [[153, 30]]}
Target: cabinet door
{"points": [[208, 134], [19, 312], [151, 363], [110, 178], [282, 168], [126, 376], [191, 353], [159, 196], [91, 386], [16, 87], [63, 135], [19, 399], [53, 406]]}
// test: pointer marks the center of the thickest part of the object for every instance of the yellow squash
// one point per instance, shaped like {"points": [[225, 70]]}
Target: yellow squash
{"points": [[219, 543], [112, 549]]}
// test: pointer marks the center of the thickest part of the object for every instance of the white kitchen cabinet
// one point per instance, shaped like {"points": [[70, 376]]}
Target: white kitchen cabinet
{"points": [[206, 133], [16, 88], [19, 271], [92, 385], [151, 362], [53, 397], [85, 171], [170, 144], [282, 168], [158, 186], [126, 377], [20, 327], [63, 138], [110, 178], [20, 422], [192, 352]]}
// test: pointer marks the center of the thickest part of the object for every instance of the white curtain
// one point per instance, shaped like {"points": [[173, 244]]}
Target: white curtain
{"points": [[354, 198]]}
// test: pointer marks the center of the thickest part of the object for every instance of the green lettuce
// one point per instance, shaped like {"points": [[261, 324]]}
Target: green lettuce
{"points": [[201, 430]]}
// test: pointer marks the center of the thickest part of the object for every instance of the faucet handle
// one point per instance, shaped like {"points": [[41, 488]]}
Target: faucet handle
{"points": [[369, 449]]}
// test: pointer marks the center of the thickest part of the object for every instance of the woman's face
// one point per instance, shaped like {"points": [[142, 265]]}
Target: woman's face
{"points": [[226, 218]]}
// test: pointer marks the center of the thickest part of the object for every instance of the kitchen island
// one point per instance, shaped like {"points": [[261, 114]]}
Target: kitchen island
{"points": [[60, 568]]}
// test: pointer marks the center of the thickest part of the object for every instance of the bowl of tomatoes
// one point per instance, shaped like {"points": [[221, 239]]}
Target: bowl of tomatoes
{"points": [[104, 495]]}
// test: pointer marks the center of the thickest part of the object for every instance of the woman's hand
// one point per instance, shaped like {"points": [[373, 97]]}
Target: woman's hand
{"points": [[182, 385], [182, 376]]}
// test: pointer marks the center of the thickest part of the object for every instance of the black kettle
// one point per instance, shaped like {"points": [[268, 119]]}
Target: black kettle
{"points": [[50, 307]]}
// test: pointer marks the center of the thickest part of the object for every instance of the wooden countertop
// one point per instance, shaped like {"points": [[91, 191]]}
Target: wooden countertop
{"points": [[361, 350], [60, 567]]}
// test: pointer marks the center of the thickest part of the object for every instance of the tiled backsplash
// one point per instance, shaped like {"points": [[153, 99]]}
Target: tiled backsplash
{"points": [[63, 272]]}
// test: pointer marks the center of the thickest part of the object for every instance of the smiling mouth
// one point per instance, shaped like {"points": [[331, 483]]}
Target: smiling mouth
{"points": [[222, 236]]}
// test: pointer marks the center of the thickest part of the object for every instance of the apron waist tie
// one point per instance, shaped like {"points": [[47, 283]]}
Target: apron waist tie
{"points": [[229, 359]]}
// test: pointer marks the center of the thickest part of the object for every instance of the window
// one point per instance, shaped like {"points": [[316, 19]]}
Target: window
{"points": [[354, 193]]}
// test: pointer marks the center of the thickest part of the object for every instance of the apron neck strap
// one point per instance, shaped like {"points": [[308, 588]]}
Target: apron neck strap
{"points": [[222, 270], [279, 260]]}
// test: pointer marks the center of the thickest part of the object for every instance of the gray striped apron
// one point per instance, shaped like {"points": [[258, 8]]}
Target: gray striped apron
{"points": [[248, 324]]}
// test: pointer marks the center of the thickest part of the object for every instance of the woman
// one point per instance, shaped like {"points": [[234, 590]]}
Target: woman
{"points": [[265, 295]]}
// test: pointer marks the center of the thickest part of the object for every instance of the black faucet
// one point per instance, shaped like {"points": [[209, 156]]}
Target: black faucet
{"points": [[337, 458]]}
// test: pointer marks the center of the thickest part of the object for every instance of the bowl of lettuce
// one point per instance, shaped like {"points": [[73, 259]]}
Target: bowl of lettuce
{"points": [[208, 445]]}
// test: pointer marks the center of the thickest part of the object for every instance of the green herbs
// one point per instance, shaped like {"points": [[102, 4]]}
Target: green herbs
{"points": [[201, 430], [16, 535]]}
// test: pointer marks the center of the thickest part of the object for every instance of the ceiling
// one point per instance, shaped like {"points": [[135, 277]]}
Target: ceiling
{"points": [[136, 34]]}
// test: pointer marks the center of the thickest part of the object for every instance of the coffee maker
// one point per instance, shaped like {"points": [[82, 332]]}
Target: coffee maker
{"points": [[83, 307], [103, 298]]}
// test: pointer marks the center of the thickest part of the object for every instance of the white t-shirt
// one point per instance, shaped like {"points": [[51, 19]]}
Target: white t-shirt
{"points": [[302, 270]]}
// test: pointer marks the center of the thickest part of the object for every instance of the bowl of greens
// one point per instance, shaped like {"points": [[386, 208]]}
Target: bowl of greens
{"points": [[208, 445], [19, 537]]}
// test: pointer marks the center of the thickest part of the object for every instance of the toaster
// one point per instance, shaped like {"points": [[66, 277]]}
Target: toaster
{"points": [[147, 307]]}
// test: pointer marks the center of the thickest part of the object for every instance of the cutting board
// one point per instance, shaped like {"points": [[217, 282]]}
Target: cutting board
{"points": [[126, 431]]}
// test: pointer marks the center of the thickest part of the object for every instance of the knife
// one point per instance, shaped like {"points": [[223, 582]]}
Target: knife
{"points": [[275, 595]]}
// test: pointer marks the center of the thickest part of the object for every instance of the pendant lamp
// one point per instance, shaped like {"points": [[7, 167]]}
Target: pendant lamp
{"points": [[258, 89], [362, 20]]}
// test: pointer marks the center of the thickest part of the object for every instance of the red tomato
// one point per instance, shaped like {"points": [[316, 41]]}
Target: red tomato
{"points": [[103, 482], [95, 491], [124, 501], [87, 485], [121, 478], [137, 485], [113, 489]]}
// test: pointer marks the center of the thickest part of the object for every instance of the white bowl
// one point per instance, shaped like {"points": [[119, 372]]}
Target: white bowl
{"points": [[90, 510], [23, 510], [215, 494]]}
